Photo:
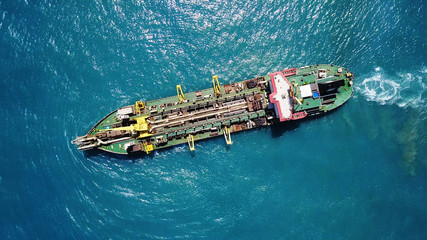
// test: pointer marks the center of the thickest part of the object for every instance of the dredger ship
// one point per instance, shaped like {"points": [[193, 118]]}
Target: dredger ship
{"points": [[288, 95]]}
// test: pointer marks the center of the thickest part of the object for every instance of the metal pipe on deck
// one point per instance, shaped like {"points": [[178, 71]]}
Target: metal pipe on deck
{"points": [[218, 111], [200, 112]]}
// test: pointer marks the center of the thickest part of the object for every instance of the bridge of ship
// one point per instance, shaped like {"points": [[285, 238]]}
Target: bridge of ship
{"points": [[316, 87]]}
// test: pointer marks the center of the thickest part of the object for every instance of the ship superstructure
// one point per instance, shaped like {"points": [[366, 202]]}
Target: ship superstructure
{"points": [[282, 96]]}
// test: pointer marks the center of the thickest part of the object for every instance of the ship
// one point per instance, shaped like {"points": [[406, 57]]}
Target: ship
{"points": [[289, 95]]}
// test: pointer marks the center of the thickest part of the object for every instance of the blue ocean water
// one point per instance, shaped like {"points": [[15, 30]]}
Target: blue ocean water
{"points": [[357, 173]]}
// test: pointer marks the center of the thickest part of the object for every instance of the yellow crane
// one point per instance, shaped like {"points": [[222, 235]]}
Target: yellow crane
{"points": [[227, 135], [180, 94], [190, 141], [216, 86]]}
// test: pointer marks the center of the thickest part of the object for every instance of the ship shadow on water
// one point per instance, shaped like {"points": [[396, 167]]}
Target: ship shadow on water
{"points": [[280, 128]]}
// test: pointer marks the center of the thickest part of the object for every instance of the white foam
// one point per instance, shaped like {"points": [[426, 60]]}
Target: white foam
{"points": [[403, 89]]}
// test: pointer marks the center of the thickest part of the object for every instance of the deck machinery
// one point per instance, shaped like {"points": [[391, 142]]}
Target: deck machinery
{"points": [[288, 95]]}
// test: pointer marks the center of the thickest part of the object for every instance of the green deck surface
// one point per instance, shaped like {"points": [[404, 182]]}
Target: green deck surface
{"points": [[345, 92], [299, 80]]}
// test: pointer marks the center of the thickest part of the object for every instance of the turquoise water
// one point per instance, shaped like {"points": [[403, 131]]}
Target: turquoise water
{"points": [[357, 173]]}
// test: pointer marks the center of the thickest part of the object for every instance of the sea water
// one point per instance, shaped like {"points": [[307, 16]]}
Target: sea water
{"points": [[357, 173]]}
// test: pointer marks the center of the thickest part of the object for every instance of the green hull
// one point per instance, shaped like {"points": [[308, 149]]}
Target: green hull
{"points": [[288, 95]]}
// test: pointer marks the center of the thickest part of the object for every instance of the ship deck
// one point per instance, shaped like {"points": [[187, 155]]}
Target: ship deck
{"points": [[188, 117], [203, 114]]}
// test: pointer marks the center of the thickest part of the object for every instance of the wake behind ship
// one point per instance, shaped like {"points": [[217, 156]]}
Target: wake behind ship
{"points": [[288, 95]]}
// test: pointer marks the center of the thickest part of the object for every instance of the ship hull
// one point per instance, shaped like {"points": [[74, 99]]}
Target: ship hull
{"points": [[288, 95]]}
